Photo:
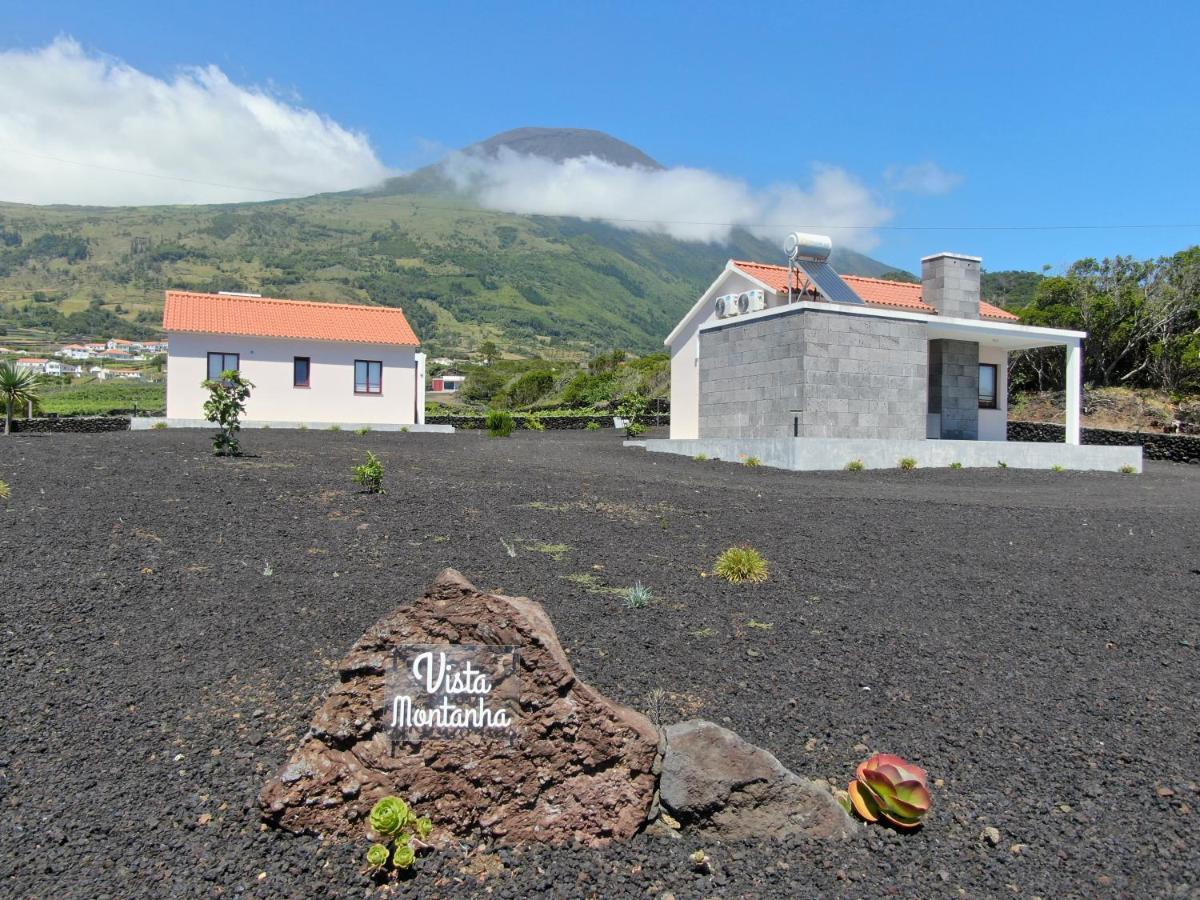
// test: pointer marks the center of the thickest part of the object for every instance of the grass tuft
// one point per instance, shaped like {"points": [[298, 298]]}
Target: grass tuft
{"points": [[855, 465], [907, 464], [5, 490], [739, 564], [1128, 470], [956, 465], [638, 596], [753, 462]]}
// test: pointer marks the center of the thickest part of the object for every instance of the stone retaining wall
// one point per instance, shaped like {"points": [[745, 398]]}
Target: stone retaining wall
{"points": [[72, 424], [1170, 447]]}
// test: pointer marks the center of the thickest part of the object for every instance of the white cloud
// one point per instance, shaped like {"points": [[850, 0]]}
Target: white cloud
{"points": [[63, 103], [686, 203], [922, 178]]}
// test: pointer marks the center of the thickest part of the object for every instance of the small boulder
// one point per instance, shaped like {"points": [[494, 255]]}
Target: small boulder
{"points": [[714, 779]]}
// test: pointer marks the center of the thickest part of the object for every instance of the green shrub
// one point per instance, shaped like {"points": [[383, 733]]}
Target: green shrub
{"points": [[1057, 468], [700, 457], [633, 411], [499, 423], [335, 427], [1002, 464], [1128, 470], [226, 402], [5, 490], [302, 427], [159, 426], [738, 564], [370, 474], [635, 429], [753, 462], [364, 430], [533, 422], [908, 464], [637, 596], [855, 465], [530, 387], [592, 426], [956, 465]]}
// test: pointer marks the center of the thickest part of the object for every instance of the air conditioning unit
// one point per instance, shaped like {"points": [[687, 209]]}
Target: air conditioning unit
{"points": [[727, 306], [751, 301]]}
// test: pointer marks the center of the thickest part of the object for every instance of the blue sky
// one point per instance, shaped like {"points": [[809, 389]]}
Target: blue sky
{"points": [[1046, 114]]}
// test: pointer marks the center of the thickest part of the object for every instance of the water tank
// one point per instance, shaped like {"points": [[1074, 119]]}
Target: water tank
{"points": [[807, 246]]}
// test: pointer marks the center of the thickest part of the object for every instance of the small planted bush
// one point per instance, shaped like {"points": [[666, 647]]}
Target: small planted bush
{"points": [[1128, 470], [364, 430], [753, 462], [739, 564], [370, 474], [956, 465], [1057, 468], [226, 402], [592, 426], [855, 465], [907, 464], [533, 422], [701, 457], [891, 788], [1002, 464], [5, 490], [637, 596], [499, 423], [399, 835], [335, 427], [159, 426]]}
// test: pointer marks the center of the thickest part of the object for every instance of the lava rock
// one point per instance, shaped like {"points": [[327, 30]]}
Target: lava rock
{"points": [[582, 770], [713, 778]]}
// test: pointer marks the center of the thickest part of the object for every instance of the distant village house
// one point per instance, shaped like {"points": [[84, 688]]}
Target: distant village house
{"points": [[311, 363]]}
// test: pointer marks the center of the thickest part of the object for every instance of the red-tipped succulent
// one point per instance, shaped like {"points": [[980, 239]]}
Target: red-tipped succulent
{"points": [[888, 787]]}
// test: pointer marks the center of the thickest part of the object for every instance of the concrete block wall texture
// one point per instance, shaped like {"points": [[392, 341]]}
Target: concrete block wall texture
{"points": [[950, 284], [954, 388], [821, 374]]}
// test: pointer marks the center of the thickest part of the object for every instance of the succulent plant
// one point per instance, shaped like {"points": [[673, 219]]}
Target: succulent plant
{"points": [[403, 856], [388, 816], [424, 826], [377, 856], [888, 787]]}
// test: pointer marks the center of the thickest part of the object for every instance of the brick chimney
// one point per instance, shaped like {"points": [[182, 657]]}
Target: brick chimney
{"points": [[950, 284]]}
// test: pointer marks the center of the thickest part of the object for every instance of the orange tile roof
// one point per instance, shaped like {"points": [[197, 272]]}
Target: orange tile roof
{"points": [[875, 291], [268, 317]]}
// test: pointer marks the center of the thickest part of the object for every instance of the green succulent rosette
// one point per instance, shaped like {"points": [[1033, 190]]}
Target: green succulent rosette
{"points": [[403, 856], [424, 827], [377, 856], [388, 816]]}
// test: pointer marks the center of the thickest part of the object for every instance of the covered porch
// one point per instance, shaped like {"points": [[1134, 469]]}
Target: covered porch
{"points": [[1006, 338]]}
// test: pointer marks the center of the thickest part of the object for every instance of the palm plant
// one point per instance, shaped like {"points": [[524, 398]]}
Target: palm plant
{"points": [[17, 385]]}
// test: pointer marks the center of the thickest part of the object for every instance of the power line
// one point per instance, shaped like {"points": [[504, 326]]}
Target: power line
{"points": [[385, 201]]}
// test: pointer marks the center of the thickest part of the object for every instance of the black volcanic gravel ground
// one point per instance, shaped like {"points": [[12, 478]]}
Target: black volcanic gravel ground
{"points": [[170, 620]]}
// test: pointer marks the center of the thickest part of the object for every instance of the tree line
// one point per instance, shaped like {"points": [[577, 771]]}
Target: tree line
{"points": [[1142, 318]]}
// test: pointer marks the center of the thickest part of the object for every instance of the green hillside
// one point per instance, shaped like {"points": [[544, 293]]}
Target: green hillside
{"points": [[534, 284]]}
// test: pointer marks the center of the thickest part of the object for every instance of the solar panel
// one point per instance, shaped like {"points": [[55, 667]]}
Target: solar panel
{"points": [[828, 282]]}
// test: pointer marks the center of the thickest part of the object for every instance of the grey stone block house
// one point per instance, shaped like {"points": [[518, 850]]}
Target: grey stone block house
{"points": [[767, 353]]}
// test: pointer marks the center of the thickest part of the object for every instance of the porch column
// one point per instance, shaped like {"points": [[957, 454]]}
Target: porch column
{"points": [[1074, 372]]}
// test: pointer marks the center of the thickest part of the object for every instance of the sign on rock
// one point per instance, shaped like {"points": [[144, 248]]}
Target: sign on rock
{"points": [[447, 691], [464, 703]]}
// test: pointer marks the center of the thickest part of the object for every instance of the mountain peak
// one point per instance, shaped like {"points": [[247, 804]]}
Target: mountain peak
{"points": [[565, 143]]}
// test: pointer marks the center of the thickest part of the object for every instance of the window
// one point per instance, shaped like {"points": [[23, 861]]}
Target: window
{"points": [[300, 366], [368, 376], [221, 362], [987, 385]]}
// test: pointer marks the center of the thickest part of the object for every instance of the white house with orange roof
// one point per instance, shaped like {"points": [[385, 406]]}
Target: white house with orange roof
{"points": [[833, 369], [313, 364]]}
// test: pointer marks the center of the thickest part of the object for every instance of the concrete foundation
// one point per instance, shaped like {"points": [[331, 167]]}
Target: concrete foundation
{"points": [[145, 423], [829, 454]]}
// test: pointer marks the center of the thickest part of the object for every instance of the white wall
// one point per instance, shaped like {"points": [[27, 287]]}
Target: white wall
{"points": [[267, 362], [685, 360], [993, 423]]}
